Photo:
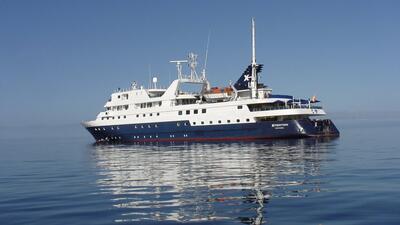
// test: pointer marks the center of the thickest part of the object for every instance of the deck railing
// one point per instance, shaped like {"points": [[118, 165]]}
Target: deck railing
{"points": [[255, 108]]}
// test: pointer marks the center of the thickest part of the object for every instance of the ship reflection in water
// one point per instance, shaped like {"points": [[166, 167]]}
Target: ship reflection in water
{"points": [[208, 181]]}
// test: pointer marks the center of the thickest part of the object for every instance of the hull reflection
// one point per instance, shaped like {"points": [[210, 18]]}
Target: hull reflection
{"points": [[206, 181]]}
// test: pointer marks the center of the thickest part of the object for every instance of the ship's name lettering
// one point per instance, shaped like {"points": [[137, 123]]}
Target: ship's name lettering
{"points": [[280, 125]]}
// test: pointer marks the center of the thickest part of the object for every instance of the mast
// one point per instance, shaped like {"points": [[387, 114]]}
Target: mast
{"points": [[254, 77]]}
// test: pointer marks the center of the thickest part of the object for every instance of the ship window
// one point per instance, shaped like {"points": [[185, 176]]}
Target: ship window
{"points": [[155, 125], [119, 96], [247, 120], [228, 121], [187, 112], [144, 115], [195, 111], [151, 114], [203, 111], [141, 126], [180, 113], [135, 126], [194, 123], [185, 124], [149, 105], [119, 117], [240, 107], [202, 122], [137, 115], [108, 118], [158, 114], [178, 124], [210, 122], [102, 118], [149, 126], [238, 120], [124, 117], [159, 103], [219, 121]]}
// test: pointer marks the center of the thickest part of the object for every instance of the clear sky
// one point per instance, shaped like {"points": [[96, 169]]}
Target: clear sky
{"points": [[60, 60]]}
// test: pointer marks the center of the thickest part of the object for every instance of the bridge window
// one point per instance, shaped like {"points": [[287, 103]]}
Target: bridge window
{"points": [[240, 107]]}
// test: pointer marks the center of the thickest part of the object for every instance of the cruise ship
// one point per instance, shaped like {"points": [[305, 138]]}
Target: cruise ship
{"points": [[190, 109]]}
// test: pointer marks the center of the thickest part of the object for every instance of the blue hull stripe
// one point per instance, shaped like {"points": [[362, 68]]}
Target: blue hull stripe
{"points": [[183, 131]]}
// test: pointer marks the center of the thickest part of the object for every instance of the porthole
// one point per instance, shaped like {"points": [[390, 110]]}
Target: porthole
{"points": [[118, 117], [247, 120], [151, 114], [202, 122], [210, 122], [219, 121], [124, 117], [238, 120], [158, 114], [194, 123], [178, 124], [137, 115], [228, 121]]}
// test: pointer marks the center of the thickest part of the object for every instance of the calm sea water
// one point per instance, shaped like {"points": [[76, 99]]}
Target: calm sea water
{"points": [[64, 179]]}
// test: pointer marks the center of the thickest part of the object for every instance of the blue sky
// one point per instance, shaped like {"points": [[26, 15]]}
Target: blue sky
{"points": [[60, 60]]}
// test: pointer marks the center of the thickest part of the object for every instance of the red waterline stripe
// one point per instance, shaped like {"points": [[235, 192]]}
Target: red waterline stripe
{"points": [[243, 138]]}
